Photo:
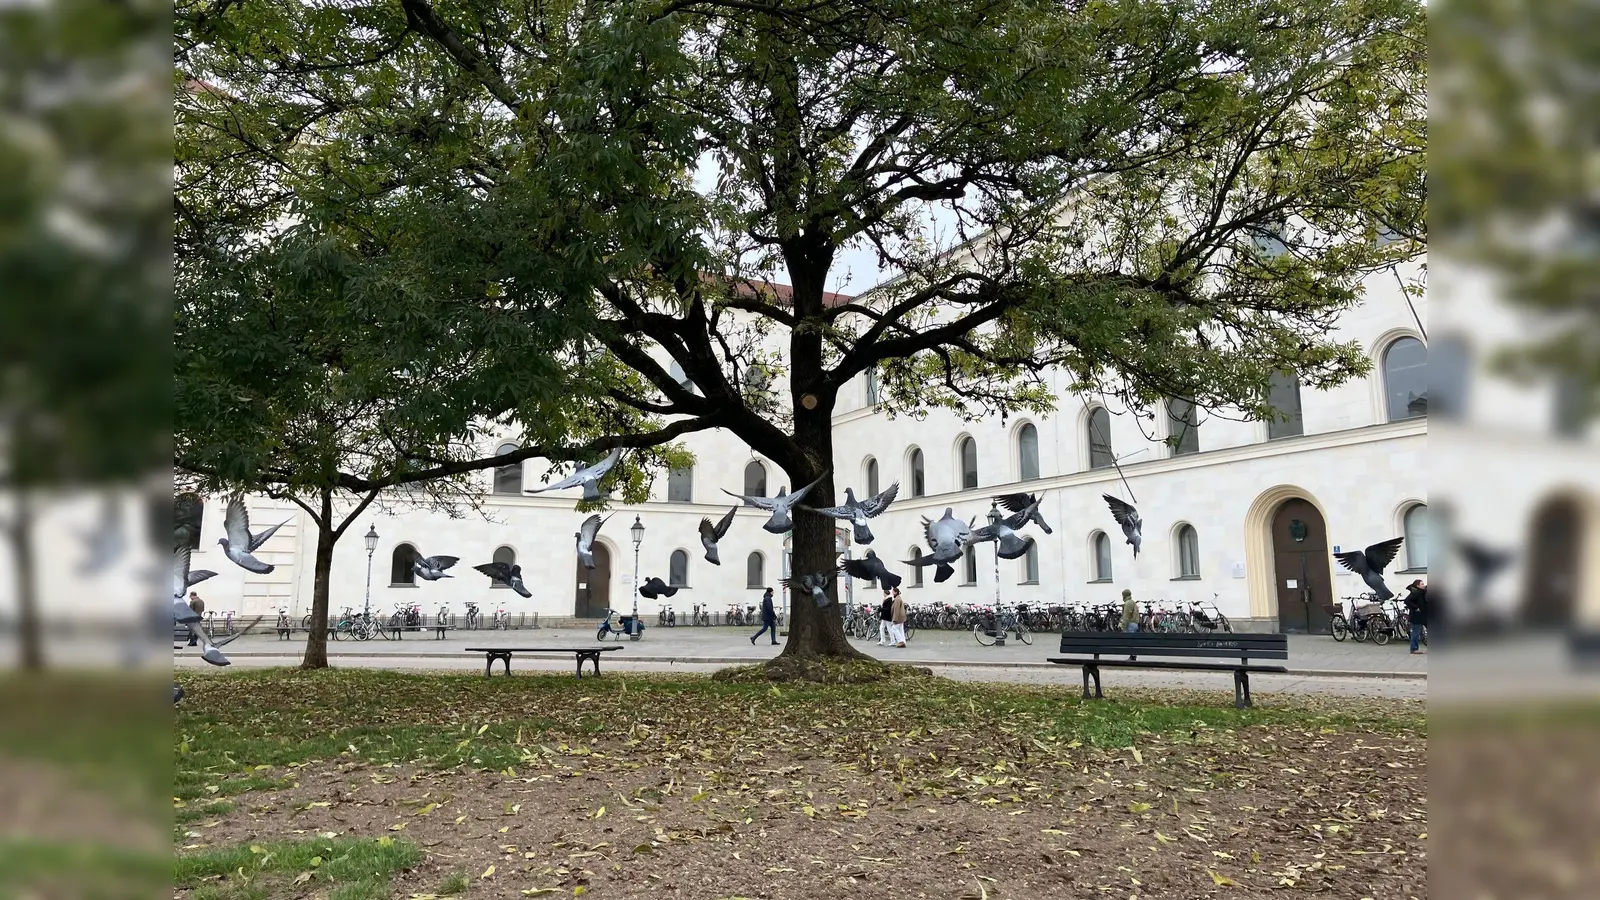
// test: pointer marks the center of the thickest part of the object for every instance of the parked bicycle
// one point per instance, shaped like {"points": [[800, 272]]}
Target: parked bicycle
{"points": [[665, 617], [502, 620], [472, 615], [700, 616], [1374, 623], [1200, 620], [996, 624]]}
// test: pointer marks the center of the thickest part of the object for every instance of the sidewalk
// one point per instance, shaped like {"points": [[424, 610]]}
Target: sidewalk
{"points": [[1309, 655]]}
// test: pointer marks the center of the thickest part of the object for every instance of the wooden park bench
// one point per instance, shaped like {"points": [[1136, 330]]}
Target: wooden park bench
{"points": [[503, 654], [1135, 651]]}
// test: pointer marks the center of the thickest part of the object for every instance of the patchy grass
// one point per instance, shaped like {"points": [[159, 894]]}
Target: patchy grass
{"points": [[60, 869], [337, 867]]}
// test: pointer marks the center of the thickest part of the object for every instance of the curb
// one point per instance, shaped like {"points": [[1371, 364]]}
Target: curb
{"points": [[747, 660]]}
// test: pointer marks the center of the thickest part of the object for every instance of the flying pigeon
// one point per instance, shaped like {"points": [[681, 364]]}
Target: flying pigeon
{"points": [[586, 536], [1483, 563], [1128, 518], [872, 568], [779, 506], [182, 578], [815, 585], [588, 476], [655, 588], [509, 574], [1018, 502], [710, 534], [106, 543], [1011, 544], [182, 613], [1371, 562], [859, 511], [431, 568], [947, 540], [240, 543]]}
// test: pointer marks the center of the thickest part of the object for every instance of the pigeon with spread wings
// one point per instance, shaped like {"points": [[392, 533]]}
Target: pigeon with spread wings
{"points": [[710, 534], [586, 535], [1016, 503], [432, 568], [947, 540], [1371, 562], [857, 512], [655, 588], [240, 543], [1128, 518], [779, 506], [588, 476], [1011, 544], [872, 569], [508, 574], [815, 585], [183, 614]]}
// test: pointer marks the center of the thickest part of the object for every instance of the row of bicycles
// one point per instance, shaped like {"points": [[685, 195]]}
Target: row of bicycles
{"points": [[364, 626], [742, 615], [979, 619], [1371, 618]]}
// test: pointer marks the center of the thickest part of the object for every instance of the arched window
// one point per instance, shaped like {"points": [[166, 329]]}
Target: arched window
{"points": [[507, 479], [872, 477], [1030, 565], [400, 562], [189, 514], [755, 479], [1027, 452], [919, 480], [1183, 427], [680, 485], [969, 463], [754, 570], [1405, 379], [678, 569], [874, 393], [1418, 540], [1099, 425], [1283, 395], [916, 571], [970, 576], [504, 555], [1188, 552], [676, 371], [1449, 370], [1102, 556]]}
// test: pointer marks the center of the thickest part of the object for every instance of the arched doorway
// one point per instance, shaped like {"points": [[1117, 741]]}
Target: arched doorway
{"points": [[1303, 585], [1555, 564], [594, 585]]}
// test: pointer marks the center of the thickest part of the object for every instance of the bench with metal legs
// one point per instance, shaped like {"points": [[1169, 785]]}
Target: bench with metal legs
{"points": [[503, 654], [1243, 647]]}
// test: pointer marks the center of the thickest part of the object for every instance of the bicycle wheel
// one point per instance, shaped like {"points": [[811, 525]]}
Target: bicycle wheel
{"points": [[363, 630], [1339, 627], [1381, 632], [1024, 633], [910, 630], [1227, 626], [984, 637]]}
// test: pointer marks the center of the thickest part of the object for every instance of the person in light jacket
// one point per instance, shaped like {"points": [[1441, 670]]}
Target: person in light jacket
{"points": [[769, 618], [897, 612]]}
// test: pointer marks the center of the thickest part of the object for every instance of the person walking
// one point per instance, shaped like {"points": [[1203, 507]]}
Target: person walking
{"points": [[769, 619], [886, 619], [1130, 612], [199, 607], [1417, 608], [897, 612]]}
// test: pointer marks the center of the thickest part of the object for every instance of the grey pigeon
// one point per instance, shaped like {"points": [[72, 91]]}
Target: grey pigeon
{"points": [[655, 588], [509, 574], [177, 693], [431, 568], [871, 568], [183, 614], [240, 543], [947, 541], [1483, 563], [1018, 502], [182, 578], [815, 585], [1128, 518], [106, 543], [779, 506], [857, 512], [1012, 545], [1371, 562], [710, 534], [586, 536], [588, 476]]}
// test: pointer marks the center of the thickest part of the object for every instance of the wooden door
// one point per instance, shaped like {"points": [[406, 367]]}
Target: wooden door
{"points": [[594, 586], [1550, 591], [1300, 566]]}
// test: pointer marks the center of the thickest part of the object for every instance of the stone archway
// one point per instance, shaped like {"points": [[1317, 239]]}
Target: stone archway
{"points": [[1303, 566], [1302, 583]]}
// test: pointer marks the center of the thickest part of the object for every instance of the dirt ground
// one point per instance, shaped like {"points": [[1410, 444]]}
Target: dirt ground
{"points": [[1254, 812]]}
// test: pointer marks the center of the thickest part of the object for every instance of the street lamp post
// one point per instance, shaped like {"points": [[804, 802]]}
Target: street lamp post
{"points": [[999, 621], [637, 530], [371, 538]]}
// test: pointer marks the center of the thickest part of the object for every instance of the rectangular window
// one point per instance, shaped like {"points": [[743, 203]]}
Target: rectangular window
{"points": [[1183, 433], [1283, 395], [971, 573]]}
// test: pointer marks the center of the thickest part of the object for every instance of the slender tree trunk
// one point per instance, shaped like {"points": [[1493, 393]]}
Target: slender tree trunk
{"points": [[30, 637], [317, 638]]}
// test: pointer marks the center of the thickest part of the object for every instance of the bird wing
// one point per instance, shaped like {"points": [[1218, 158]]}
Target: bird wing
{"points": [[708, 531], [196, 576], [257, 540], [858, 568], [1354, 560], [1020, 517], [984, 535], [599, 469], [757, 502], [497, 571], [180, 571], [1381, 554], [591, 527], [236, 523], [1122, 511], [724, 524], [835, 512], [878, 504], [440, 562], [1015, 502], [797, 496], [1480, 557]]}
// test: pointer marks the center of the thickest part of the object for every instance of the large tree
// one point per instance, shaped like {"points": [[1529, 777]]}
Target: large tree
{"points": [[1159, 197]]}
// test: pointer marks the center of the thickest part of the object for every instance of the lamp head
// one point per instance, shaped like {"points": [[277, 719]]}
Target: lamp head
{"points": [[637, 530], [371, 537], [994, 515]]}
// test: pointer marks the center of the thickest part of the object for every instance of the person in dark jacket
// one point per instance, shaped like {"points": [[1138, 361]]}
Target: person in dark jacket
{"points": [[886, 619], [1417, 608], [769, 618]]}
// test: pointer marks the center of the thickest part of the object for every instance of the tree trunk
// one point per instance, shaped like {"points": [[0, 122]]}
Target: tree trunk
{"points": [[30, 638], [813, 632], [317, 637]]}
